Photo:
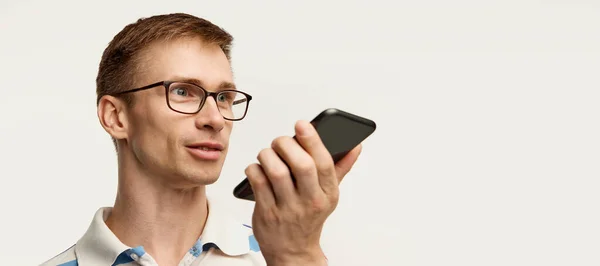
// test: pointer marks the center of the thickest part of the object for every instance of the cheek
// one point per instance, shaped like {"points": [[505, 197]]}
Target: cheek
{"points": [[226, 132], [153, 128], [228, 127]]}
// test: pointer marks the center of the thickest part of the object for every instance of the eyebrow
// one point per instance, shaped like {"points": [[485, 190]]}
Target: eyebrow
{"points": [[225, 85]]}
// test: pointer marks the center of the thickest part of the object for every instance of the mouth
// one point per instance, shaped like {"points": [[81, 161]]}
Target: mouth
{"points": [[205, 148], [209, 151]]}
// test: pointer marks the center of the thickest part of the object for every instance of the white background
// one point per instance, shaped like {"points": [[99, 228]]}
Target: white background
{"points": [[486, 153]]}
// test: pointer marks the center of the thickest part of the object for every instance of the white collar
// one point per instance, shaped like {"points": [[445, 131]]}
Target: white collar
{"points": [[100, 246], [221, 229]]}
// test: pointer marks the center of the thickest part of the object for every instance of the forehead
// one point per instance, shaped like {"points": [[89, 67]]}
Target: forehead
{"points": [[189, 58]]}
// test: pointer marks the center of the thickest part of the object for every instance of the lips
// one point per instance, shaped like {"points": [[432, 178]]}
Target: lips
{"points": [[207, 146], [206, 150]]}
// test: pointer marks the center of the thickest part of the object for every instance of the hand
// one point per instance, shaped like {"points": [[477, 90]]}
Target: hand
{"points": [[288, 219]]}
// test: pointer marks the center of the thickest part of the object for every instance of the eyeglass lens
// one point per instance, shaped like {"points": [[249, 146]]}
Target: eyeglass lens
{"points": [[187, 98]]}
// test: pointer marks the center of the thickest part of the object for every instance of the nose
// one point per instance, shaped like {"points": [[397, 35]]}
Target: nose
{"points": [[210, 116]]}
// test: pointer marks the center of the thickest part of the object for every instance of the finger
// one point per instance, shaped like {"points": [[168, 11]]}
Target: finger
{"points": [[263, 192], [279, 176], [300, 163], [308, 137], [343, 166]]}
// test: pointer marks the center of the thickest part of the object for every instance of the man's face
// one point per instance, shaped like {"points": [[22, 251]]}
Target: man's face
{"points": [[167, 144]]}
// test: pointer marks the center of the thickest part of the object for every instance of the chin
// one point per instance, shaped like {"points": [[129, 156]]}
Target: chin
{"points": [[198, 172], [205, 180], [201, 177]]}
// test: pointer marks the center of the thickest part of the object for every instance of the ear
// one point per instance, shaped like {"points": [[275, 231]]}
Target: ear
{"points": [[112, 114]]}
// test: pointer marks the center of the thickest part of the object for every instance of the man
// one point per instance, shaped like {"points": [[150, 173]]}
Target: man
{"points": [[166, 96]]}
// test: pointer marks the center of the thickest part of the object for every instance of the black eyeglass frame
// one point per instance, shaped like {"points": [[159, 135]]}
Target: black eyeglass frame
{"points": [[167, 83]]}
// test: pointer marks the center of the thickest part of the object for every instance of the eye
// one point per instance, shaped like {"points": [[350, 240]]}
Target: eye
{"points": [[223, 97], [180, 91], [183, 90]]}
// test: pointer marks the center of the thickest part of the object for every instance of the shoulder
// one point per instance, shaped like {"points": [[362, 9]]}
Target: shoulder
{"points": [[65, 258]]}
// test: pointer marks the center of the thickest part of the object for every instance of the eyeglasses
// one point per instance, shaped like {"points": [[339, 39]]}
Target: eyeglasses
{"points": [[188, 98]]}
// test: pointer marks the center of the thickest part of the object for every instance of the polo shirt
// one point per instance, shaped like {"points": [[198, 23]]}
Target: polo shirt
{"points": [[224, 241]]}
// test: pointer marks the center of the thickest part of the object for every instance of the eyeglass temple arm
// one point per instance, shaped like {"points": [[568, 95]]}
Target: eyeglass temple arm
{"points": [[240, 101]]}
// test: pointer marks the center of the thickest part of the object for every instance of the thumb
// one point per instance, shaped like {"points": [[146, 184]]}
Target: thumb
{"points": [[343, 166]]}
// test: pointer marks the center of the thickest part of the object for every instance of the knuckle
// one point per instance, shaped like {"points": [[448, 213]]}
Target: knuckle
{"points": [[306, 166], [327, 161], [318, 205], [263, 153], [259, 183], [278, 142], [326, 168], [256, 181], [249, 171], [281, 141], [277, 174], [334, 196], [253, 177]]}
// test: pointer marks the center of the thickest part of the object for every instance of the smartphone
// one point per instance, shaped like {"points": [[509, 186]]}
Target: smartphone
{"points": [[339, 131]]}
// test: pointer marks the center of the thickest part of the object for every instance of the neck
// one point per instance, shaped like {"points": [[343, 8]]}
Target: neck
{"points": [[166, 221]]}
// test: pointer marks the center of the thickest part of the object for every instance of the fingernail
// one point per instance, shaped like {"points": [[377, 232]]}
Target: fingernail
{"points": [[305, 129]]}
